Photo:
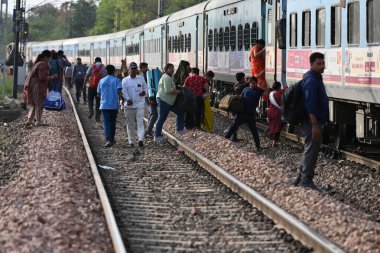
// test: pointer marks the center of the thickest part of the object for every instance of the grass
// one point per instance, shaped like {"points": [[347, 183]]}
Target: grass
{"points": [[8, 86]]}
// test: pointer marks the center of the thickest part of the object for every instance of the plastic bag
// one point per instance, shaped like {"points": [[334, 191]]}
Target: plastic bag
{"points": [[54, 100]]}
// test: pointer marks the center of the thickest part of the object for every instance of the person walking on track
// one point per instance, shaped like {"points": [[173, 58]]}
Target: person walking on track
{"points": [[134, 92], [36, 85], [316, 105], [257, 59], [94, 73], [251, 96], [274, 113], [79, 74], [109, 90]]}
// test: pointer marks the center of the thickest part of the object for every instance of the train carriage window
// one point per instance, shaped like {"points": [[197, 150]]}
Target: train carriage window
{"points": [[226, 39], [189, 42], [176, 44], [353, 16], [185, 42], [182, 41], [254, 33], [240, 38], [321, 28], [373, 21], [233, 38], [169, 44], [293, 30], [220, 39], [335, 25], [209, 40], [306, 28], [216, 39], [246, 36], [137, 48]]}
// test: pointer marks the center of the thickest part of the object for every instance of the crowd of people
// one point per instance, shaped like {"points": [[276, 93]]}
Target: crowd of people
{"points": [[177, 90]]}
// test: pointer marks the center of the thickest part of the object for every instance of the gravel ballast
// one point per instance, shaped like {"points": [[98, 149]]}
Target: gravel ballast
{"points": [[345, 226], [52, 204]]}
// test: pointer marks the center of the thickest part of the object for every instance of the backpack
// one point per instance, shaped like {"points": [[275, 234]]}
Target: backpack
{"points": [[79, 71], [292, 108], [186, 101], [232, 103], [96, 75], [55, 67]]}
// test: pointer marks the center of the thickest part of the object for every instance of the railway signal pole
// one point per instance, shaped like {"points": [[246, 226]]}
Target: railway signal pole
{"points": [[3, 40], [160, 8], [17, 27]]}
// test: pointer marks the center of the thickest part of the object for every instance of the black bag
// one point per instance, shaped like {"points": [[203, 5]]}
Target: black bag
{"points": [[186, 101], [236, 104], [292, 108], [10, 59]]}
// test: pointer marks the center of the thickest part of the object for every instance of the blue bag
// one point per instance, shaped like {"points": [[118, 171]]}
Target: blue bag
{"points": [[153, 78], [54, 100]]}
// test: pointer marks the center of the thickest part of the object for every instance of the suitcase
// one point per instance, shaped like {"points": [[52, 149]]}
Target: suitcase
{"points": [[153, 77]]}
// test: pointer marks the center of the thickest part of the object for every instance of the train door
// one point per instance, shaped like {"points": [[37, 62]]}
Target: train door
{"points": [[206, 44], [142, 58], [163, 46]]}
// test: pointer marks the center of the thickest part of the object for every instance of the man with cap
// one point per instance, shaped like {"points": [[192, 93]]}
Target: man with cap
{"points": [[134, 92]]}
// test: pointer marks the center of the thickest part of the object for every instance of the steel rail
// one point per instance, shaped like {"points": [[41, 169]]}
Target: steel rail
{"points": [[347, 155], [113, 229], [284, 220]]}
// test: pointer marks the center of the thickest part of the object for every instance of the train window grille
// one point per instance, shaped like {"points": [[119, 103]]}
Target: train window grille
{"points": [[189, 42], [182, 42], [321, 28], [216, 39], [373, 21], [185, 42], [240, 38], [220, 39], [137, 48], [293, 30], [175, 44], [353, 16], [233, 38], [306, 28], [335, 25], [209, 40], [169, 44], [254, 33], [247, 34], [226, 39]]}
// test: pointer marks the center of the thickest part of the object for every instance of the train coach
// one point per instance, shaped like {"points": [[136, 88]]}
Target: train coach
{"points": [[218, 35]]}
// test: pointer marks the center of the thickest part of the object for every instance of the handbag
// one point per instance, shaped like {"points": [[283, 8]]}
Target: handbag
{"points": [[54, 100]]}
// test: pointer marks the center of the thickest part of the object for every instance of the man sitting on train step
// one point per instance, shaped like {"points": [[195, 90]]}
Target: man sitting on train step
{"points": [[316, 105], [134, 92]]}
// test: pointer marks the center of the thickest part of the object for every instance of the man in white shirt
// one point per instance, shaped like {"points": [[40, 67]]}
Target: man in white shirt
{"points": [[134, 92]]}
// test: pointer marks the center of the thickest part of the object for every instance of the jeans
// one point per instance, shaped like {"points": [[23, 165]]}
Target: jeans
{"points": [[165, 108], [240, 119], [93, 94], [109, 124], [195, 120], [132, 115], [79, 89], [153, 116], [310, 154]]}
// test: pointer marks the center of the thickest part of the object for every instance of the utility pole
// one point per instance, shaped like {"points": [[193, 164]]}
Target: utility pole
{"points": [[160, 8], [3, 22], [17, 26]]}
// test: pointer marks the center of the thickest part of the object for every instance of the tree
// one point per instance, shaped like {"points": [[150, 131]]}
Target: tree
{"points": [[83, 18], [44, 24], [105, 17]]}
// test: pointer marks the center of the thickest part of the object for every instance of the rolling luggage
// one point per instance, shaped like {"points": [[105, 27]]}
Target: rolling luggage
{"points": [[153, 77]]}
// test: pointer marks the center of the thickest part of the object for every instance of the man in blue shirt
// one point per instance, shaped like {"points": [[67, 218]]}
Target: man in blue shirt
{"points": [[109, 90], [251, 96], [315, 100]]}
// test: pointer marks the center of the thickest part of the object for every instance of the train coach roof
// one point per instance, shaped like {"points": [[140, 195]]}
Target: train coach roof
{"points": [[196, 9], [156, 22], [135, 30], [214, 4]]}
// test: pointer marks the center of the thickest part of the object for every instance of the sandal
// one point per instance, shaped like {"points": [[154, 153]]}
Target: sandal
{"points": [[41, 124]]}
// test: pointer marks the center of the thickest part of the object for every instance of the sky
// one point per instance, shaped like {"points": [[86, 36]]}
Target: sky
{"points": [[34, 3]]}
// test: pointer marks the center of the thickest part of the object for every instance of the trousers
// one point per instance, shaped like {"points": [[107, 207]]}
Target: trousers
{"points": [[133, 115], [79, 89], [109, 124], [93, 95], [240, 119]]}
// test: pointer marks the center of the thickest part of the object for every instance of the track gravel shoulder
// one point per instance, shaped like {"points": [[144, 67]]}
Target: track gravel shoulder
{"points": [[52, 204]]}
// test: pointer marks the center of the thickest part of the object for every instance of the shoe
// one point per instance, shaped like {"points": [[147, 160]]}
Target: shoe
{"points": [[297, 180], [236, 140], [108, 144], [113, 142], [97, 119], [131, 145], [159, 138], [258, 149], [28, 124], [180, 132], [40, 124], [85, 102], [149, 135], [91, 114], [141, 144], [310, 185]]}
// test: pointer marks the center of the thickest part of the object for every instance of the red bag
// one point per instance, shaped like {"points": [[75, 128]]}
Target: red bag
{"points": [[96, 75]]}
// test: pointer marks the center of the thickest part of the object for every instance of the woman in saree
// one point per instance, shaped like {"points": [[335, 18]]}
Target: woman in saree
{"points": [[208, 117], [257, 59], [35, 87]]}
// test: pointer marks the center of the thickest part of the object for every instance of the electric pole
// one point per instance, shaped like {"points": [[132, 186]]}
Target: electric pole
{"points": [[3, 22], [17, 27]]}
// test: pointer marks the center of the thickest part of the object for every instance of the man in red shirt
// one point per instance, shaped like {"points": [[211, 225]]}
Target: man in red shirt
{"points": [[197, 85]]}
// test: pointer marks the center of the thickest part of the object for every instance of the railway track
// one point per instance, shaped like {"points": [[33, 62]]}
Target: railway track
{"points": [[164, 201], [371, 163]]}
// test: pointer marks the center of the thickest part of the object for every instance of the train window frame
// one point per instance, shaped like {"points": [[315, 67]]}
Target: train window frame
{"points": [[304, 29], [182, 43], [356, 43], [233, 34], [169, 44], [254, 31], [210, 39], [226, 38], [216, 39], [317, 32], [339, 22], [373, 42], [295, 30], [220, 39], [240, 38], [185, 40], [189, 42], [247, 36]]}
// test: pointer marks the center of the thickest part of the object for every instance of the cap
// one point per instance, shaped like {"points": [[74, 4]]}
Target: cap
{"points": [[133, 65]]}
